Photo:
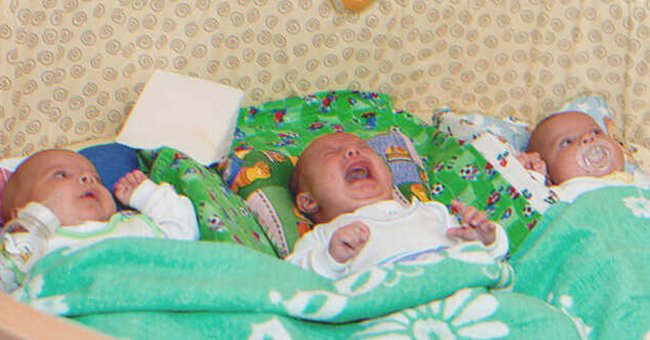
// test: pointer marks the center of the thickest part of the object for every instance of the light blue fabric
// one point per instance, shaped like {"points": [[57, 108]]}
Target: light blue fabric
{"points": [[593, 105], [468, 126]]}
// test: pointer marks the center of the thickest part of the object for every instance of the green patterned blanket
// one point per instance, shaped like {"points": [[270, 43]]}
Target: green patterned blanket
{"points": [[591, 259], [155, 289]]}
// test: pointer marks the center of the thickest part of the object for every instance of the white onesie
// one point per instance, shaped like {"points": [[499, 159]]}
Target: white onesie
{"points": [[397, 233]]}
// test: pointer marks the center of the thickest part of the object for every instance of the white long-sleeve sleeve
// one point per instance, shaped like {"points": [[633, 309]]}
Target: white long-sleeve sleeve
{"points": [[499, 248], [311, 252], [173, 214]]}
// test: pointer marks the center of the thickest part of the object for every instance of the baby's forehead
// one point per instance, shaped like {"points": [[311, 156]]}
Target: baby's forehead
{"points": [[564, 121], [564, 118], [336, 139], [55, 158]]}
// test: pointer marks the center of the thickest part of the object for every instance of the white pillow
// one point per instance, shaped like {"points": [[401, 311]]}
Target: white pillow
{"points": [[192, 115]]}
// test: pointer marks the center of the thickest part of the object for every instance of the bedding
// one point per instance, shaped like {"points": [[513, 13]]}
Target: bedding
{"points": [[289, 124], [262, 178], [222, 215], [485, 173], [124, 288], [467, 126], [590, 259], [72, 71], [427, 162], [568, 262], [206, 286]]}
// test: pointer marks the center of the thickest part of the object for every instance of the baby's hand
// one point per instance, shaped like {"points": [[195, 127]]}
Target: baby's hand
{"points": [[348, 241], [125, 186], [474, 224], [533, 161]]}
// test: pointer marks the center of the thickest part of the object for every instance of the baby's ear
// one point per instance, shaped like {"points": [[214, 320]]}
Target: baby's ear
{"points": [[14, 213], [306, 203]]}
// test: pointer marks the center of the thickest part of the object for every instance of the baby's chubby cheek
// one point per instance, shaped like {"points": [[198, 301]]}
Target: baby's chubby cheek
{"points": [[54, 202], [67, 211]]}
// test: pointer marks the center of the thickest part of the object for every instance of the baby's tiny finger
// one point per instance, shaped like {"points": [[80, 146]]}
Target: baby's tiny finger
{"points": [[488, 227], [457, 232], [480, 217], [118, 186], [126, 178], [457, 206], [365, 234], [470, 215], [139, 175]]}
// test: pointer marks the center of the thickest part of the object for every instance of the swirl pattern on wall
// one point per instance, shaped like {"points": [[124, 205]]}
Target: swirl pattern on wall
{"points": [[71, 70]]}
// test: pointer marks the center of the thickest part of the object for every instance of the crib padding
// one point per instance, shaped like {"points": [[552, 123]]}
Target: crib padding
{"points": [[72, 70]]}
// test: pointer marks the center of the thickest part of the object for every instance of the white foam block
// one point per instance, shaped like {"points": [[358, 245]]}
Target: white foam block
{"points": [[192, 115]]}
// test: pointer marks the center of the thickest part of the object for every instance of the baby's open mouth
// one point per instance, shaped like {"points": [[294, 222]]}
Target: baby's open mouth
{"points": [[357, 172], [89, 194]]}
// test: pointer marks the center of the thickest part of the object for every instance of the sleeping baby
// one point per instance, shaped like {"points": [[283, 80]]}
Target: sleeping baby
{"points": [[55, 199], [345, 187], [569, 151]]}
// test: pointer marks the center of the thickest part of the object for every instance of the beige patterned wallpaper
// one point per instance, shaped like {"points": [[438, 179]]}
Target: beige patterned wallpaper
{"points": [[70, 70]]}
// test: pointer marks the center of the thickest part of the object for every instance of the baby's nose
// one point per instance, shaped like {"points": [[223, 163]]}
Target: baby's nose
{"points": [[587, 138], [87, 179], [351, 152]]}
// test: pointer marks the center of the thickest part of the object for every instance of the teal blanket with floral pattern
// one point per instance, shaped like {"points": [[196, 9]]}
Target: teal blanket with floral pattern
{"points": [[591, 259], [168, 289], [583, 272]]}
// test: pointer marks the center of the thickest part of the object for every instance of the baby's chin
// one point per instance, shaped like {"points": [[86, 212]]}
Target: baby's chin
{"points": [[76, 219], [584, 173], [371, 195]]}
